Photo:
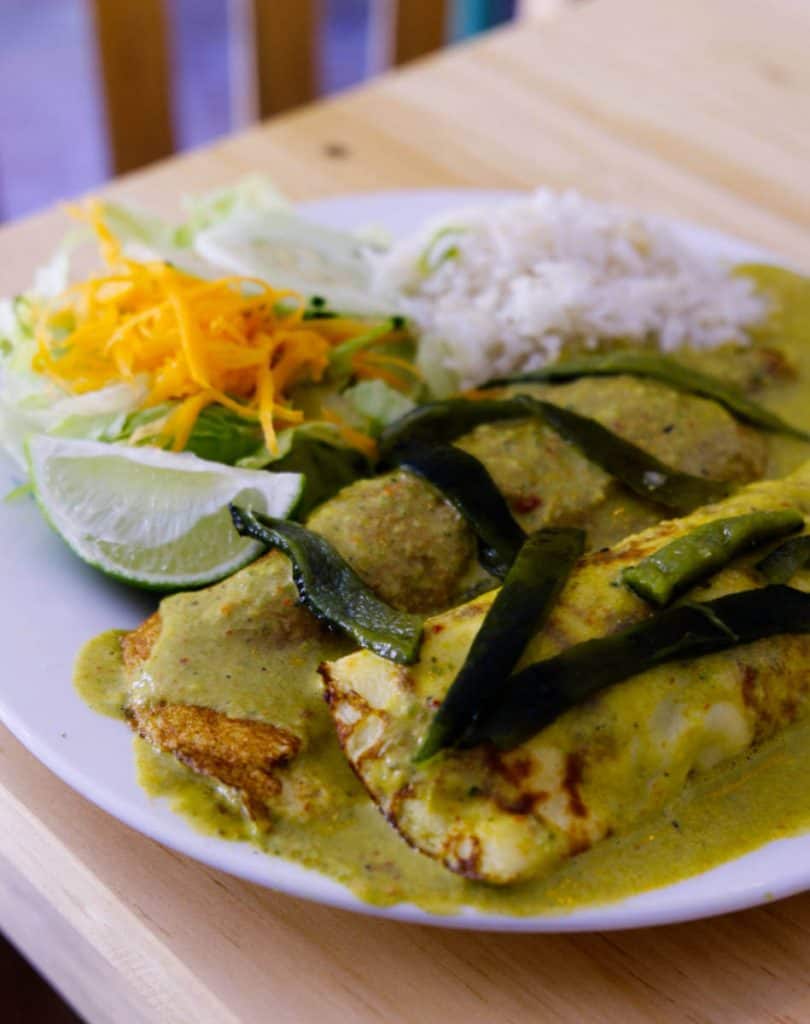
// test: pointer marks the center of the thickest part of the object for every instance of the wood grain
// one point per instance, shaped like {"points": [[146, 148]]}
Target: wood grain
{"points": [[696, 109]]}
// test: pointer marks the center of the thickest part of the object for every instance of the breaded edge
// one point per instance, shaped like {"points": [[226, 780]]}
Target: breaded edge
{"points": [[239, 753], [137, 645]]}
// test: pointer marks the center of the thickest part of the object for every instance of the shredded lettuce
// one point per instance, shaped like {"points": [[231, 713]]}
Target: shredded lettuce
{"points": [[52, 278], [146, 236], [220, 435], [292, 252], [377, 403], [253, 194], [432, 360], [318, 430], [251, 229], [103, 426], [29, 406], [248, 229], [30, 402]]}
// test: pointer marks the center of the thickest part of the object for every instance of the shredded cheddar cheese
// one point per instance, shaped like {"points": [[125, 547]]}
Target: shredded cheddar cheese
{"points": [[235, 342]]}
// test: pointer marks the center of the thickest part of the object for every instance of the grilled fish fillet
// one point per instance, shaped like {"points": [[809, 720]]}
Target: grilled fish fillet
{"points": [[257, 757], [503, 818], [415, 550], [239, 753]]}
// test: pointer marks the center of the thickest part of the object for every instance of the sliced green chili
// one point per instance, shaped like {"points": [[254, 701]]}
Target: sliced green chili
{"points": [[520, 608], [634, 467], [782, 564], [466, 484], [331, 589], [676, 566], [668, 371], [440, 422], [535, 697]]}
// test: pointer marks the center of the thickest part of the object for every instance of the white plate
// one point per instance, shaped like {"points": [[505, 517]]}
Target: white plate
{"points": [[51, 603]]}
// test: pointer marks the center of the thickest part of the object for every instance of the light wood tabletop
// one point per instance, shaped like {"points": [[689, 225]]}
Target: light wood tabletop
{"points": [[698, 109]]}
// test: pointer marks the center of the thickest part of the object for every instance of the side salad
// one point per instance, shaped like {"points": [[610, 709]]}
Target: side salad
{"points": [[180, 344]]}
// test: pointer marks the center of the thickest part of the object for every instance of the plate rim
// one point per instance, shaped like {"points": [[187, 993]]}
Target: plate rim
{"points": [[152, 818]]}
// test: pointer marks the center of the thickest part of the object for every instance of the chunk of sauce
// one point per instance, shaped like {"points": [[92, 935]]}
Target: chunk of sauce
{"points": [[736, 807]]}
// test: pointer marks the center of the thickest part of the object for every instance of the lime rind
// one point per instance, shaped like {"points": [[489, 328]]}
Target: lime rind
{"points": [[148, 517]]}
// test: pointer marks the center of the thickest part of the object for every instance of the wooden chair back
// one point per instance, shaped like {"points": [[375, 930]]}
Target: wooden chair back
{"points": [[278, 53]]}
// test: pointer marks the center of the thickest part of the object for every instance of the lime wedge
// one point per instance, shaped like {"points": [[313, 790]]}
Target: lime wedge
{"points": [[149, 517]]}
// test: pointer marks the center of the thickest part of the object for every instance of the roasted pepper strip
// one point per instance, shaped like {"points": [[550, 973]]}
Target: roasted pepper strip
{"points": [[520, 608], [440, 422], [466, 484], [668, 371], [443, 421], [331, 589], [537, 696], [634, 467], [782, 564], [663, 575]]}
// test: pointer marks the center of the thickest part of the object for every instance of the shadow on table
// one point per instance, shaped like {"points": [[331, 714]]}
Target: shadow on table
{"points": [[27, 997]]}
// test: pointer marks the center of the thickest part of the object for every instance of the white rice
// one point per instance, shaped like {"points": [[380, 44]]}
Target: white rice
{"points": [[500, 289]]}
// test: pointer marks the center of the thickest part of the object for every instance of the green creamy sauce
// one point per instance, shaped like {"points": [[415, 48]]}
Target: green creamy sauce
{"points": [[788, 330], [723, 814], [247, 648]]}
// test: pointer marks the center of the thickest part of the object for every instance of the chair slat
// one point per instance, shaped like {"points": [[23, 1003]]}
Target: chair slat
{"points": [[419, 28], [285, 40], [133, 50]]}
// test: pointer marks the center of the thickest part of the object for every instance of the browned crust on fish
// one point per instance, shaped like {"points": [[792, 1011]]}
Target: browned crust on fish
{"points": [[238, 752], [137, 645]]}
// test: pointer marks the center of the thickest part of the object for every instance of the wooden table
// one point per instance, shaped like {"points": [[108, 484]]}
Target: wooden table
{"points": [[699, 108]]}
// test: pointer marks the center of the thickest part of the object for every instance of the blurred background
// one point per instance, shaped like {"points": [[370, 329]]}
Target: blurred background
{"points": [[95, 87]]}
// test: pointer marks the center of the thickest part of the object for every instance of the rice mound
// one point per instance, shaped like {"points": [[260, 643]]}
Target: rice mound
{"points": [[501, 289]]}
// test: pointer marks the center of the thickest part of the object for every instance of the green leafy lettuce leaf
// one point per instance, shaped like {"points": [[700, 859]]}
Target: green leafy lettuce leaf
{"points": [[222, 436], [326, 468], [316, 450]]}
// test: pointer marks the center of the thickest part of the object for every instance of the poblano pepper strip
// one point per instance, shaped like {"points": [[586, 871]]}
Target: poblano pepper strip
{"points": [[440, 422], [676, 566], [466, 484], [635, 468], [331, 589], [668, 371], [520, 608], [535, 697], [782, 564]]}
